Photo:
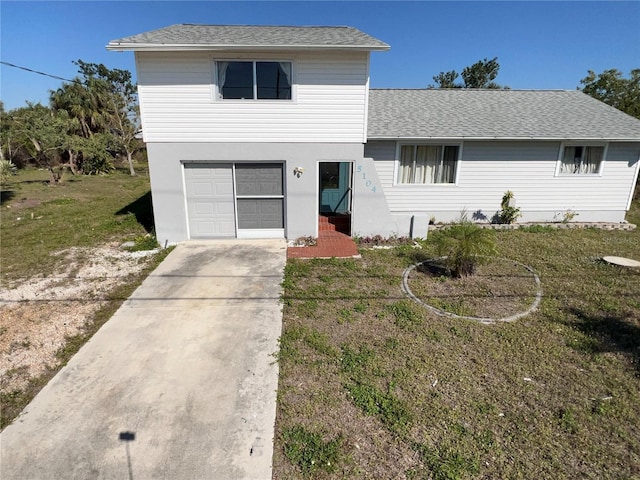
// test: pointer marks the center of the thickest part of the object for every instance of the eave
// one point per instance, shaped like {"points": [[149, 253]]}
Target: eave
{"points": [[155, 47]]}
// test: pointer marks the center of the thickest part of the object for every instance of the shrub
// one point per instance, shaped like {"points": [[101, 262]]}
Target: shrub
{"points": [[7, 168], [464, 246], [508, 214]]}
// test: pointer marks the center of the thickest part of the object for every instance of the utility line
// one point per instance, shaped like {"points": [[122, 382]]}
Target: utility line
{"points": [[41, 73]]}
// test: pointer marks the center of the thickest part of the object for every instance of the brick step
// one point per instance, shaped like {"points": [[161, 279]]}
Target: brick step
{"points": [[329, 244], [326, 227]]}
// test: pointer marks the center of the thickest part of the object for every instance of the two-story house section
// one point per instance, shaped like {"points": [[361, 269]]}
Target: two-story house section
{"points": [[256, 131], [251, 131]]}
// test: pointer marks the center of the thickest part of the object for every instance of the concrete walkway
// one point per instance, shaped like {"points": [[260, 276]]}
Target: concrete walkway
{"points": [[179, 384]]}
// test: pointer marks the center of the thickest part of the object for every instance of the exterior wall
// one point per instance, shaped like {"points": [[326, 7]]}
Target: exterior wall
{"points": [[330, 96], [488, 169], [301, 193]]}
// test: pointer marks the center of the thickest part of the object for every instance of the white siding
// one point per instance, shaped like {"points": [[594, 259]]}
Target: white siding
{"points": [[488, 169], [177, 101]]}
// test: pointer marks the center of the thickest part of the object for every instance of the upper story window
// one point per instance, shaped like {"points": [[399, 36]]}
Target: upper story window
{"points": [[581, 160], [253, 80], [428, 163]]}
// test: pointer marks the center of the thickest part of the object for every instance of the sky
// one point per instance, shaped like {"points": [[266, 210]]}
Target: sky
{"points": [[539, 45]]}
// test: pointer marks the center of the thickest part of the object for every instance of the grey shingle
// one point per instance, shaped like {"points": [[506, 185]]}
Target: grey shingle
{"points": [[237, 36], [461, 113]]}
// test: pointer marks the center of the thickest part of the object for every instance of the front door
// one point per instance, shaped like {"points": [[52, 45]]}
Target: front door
{"points": [[335, 187]]}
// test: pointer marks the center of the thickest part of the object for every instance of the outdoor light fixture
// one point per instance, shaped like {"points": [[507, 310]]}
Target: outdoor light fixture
{"points": [[298, 171]]}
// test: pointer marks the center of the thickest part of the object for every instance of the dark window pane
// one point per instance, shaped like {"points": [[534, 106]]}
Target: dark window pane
{"points": [[236, 79], [274, 80], [449, 162]]}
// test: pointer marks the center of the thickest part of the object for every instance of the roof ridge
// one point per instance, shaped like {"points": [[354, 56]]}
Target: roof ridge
{"points": [[258, 26]]}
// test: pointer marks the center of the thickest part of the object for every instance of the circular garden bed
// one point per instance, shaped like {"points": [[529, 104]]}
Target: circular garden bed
{"points": [[501, 290]]}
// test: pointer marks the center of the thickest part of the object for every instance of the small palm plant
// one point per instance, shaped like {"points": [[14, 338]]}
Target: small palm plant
{"points": [[463, 246], [7, 168]]}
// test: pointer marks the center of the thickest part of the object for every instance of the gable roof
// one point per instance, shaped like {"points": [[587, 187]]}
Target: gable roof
{"points": [[495, 114], [238, 37]]}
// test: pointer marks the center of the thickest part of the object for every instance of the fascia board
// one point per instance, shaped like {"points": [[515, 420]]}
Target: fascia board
{"points": [[154, 47]]}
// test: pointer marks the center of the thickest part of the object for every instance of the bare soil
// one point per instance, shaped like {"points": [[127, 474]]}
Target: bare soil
{"points": [[38, 314]]}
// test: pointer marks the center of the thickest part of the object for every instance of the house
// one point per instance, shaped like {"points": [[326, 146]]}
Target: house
{"points": [[255, 131]]}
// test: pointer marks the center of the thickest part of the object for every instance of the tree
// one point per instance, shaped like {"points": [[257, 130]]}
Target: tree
{"points": [[613, 89], [479, 75], [42, 133], [117, 95], [446, 80], [102, 101]]}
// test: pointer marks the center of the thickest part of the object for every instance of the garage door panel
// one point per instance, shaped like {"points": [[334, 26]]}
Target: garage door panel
{"points": [[203, 208], [265, 179], [210, 202], [260, 213]]}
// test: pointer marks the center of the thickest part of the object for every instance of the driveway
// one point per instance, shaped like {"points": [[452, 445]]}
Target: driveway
{"points": [[179, 384]]}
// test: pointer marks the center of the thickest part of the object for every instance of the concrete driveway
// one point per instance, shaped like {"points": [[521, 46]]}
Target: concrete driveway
{"points": [[179, 384]]}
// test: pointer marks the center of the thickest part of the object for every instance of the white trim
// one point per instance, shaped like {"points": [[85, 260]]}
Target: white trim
{"points": [[235, 197], [155, 47], [633, 185], [260, 233], [366, 102], [563, 145], [184, 198]]}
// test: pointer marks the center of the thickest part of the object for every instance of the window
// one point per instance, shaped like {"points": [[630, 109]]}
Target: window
{"points": [[581, 160], [428, 163], [254, 80]]}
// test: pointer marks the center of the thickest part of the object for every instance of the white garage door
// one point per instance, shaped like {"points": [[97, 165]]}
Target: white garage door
{"points": [[229, 200], [210, 200]]}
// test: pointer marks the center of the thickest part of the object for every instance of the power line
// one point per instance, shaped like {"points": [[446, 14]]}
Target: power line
{"points": [[41, 73]]}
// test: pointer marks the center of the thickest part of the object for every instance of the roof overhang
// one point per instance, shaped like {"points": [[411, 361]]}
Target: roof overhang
{"points": [[156, 47], [547, 139]]}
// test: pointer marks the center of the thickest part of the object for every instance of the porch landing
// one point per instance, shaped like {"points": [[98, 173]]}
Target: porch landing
{"points": [[330, 244]]}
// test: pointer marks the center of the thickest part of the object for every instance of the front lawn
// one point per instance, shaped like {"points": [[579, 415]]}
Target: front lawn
{"points": [[373, 385]]}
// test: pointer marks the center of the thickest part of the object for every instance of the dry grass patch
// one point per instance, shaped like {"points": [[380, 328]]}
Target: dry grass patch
{"points": [[499, 289], [409, 394], [63, 272]]}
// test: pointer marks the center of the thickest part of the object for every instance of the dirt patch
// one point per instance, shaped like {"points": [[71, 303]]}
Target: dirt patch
{"points": [[24, 203], [37, 315], [499, 289]]}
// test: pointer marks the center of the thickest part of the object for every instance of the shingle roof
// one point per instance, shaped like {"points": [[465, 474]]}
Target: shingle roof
{"points": [[248, 36], [513, 114]]}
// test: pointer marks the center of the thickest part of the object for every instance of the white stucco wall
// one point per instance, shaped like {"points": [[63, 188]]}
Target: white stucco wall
{"points": [[301, 193]]}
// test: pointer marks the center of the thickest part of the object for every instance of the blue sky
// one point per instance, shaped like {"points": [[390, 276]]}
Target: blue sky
{"points": [[539, 45]]}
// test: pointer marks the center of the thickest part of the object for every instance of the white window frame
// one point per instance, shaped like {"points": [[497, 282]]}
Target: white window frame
{"points": [[584, 145], [217, 94], [396, 170]]}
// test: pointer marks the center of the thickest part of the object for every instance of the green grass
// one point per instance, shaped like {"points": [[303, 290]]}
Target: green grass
{"points": [[38, 220], [414, 395]]}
